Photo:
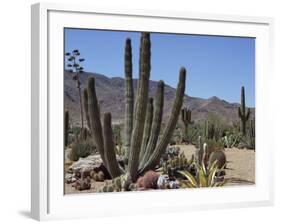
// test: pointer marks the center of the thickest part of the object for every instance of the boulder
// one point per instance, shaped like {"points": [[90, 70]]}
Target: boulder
{"points": [[84, 166]]}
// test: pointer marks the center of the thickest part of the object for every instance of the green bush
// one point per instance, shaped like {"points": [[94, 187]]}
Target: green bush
{"points": [[81, 149]]}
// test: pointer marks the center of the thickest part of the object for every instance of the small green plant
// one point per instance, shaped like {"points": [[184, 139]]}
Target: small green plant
{"points": [[231, 139], [205, 177], [81, 149], [175, 164]]}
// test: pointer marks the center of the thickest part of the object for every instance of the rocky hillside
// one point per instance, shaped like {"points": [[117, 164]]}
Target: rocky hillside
{"points": [[110, 92]]}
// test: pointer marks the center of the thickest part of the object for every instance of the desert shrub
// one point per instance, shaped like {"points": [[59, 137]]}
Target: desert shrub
{"points": [[81, 149], [177, 137], [214, 127], [194, 132], [214, 145]]}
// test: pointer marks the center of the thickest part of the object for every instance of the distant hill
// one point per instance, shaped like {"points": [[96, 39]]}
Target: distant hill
{"points": [[110, 92]]}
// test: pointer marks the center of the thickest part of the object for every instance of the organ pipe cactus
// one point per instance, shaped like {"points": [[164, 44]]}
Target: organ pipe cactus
{"points": [[242, 113], [170, 127], [186, 120], [129, 98], [146, 123]]}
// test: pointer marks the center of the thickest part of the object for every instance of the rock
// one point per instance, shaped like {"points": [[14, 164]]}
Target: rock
{"points": [[174, 184], [84, 166], [83, 184], [162, 181], [70, 178]]}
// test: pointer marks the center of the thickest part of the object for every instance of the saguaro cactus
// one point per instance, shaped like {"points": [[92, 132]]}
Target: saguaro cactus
{"points": [[242, 113], [186, 120], [129, 98], [66, 127], [140, 106]]}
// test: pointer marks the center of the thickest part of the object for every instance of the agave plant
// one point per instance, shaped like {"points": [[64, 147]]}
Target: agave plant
{"points": [[206, 177]]}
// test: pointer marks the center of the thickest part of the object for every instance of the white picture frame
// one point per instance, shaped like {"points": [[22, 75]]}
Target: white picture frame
{"points": [[48, 201]]}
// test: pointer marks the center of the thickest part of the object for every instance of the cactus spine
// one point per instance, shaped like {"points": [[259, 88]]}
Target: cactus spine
{"points": [[186, 119], [243, 115], [66, 127], [129, 98], [109, 151], [169, 129], [140, 106]]}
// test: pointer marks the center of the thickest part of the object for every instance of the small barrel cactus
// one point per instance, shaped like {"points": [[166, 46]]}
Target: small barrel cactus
{"points": [[148, 181], [218, 156], [100, 176]]}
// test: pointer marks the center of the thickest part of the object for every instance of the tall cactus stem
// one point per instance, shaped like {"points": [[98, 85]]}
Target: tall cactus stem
{"points": [[140, 107], [66, 127], [86, 107], [129, 98], [95, 121], [242, 113], [186, 120], [147, 127], [109, 151], [156, 123], [169, 129]]}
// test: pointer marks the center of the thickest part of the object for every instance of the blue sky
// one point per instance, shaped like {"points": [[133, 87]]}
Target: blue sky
{"points": [[216, 65]]}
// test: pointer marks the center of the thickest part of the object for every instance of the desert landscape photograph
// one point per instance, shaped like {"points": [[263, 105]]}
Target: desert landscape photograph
{"points": [[157, 111]]}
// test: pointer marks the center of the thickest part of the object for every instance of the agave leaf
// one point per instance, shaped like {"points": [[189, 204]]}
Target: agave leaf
{"points": [[186, 185], [190, 161], [211, 176], [203, 167], [202, 178], [189, 176], [213, 165]]}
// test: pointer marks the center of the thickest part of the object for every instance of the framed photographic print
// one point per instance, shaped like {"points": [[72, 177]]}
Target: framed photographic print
{"points": [[138, 111]]}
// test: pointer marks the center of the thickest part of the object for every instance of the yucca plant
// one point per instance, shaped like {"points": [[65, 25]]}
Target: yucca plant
{"points": [[205, 177]]}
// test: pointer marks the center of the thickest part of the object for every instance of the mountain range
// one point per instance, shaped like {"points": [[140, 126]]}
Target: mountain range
{"points": [[110, 92]]}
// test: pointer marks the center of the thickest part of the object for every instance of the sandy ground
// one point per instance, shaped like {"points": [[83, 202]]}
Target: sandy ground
{"points": [[240, 168]]}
